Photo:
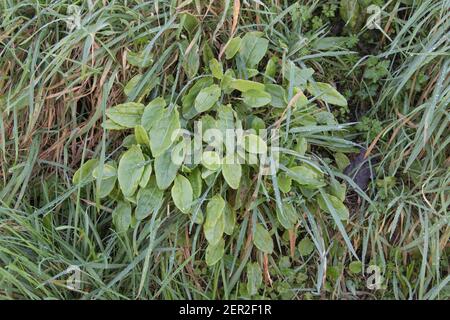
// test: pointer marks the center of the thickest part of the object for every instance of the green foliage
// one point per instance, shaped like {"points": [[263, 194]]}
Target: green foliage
{"points": [[154, 60], [221, 106]]}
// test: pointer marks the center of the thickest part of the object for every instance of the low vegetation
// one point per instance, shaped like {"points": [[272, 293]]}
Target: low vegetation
{"points": [[119, 180]]}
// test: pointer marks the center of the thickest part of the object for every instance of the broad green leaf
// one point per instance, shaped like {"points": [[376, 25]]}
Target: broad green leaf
{"points": [[141, 136], [253, 49], [232, 48], [255, 144], [207, 98], [195, 178], [271, 68], [225, 122], [165, 170], [191, 61], [256, 98], [262, 239], [355, 267], [146, 175], [182, 194], [246, 85], [338, 189], [122, 216], [338, 206], [214, 225], [257, 124], [216, 69], [129, 141], [131, 168], [328, 43], [278, 95], [208, 122], [84, 173], [108, 171], [342, 161], [327, 93], [139, 59], [144, 90], [229, 218], [127, 115], [214, 252], [188, 21], [298, 76], [111, 125], [225, 119], [106, 186], [179, 153], [232, 172], [306, 176], [301, 146], [252, 72], [131, 84], [149, 199], [207, 52], [284, 182], [307, 120], [162, 131], [226, 81], [254, 278], [288, 217], [108, 179], [211, 160], [325, 117], [188, 99], [301, 102], [305, 247], [208, 176], [153, 113], [198, 217]]}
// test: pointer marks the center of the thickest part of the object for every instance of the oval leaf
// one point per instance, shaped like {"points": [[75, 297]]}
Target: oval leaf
{"points": [[161, 133], [149, 199], [306, 176], [337, 205], [131, 168], [246, 85], [206, 98], [327, 93], [287, 217], [84, 173], [182, 193], [122, 216], [216, 68], [253, 49], [232, 48], [214, 223], [255, 144], [165, 170], [127, 115], [146, 176], [254, 278], [256, 98], [215, 252], [262, 239], [153, 113], [305, 247], [211, 160], [141, 136], [232, 172]]}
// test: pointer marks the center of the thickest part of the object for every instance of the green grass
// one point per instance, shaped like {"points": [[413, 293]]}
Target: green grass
{"points": [[55, 87]]}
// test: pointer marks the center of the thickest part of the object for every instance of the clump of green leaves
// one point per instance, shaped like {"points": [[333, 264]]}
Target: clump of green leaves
{"points": [[248, 91]]}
